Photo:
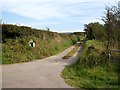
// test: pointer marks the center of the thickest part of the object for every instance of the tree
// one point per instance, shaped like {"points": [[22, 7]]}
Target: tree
{"points": [[94, 31], [118, 25], [89, 32], [112, 24]]}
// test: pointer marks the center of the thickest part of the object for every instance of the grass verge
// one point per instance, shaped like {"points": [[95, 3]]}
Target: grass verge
{"points": [[72, 52]]}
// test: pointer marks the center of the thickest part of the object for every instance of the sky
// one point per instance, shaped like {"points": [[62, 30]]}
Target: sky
{"points": [[57, 15]]}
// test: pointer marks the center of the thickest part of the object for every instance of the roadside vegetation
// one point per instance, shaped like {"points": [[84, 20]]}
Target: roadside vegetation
{"points": [[72, 52], [15, 43], [95, 68]]}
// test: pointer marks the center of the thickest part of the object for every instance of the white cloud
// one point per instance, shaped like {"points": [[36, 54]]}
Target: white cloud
{"points": [[65, 11], [38, 1], [24, 1], [38, 12], [41, 9]]}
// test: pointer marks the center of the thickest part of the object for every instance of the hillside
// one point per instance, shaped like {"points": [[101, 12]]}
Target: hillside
{"points": [[16, 45]]}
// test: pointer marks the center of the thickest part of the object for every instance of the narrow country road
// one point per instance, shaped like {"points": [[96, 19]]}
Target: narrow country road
{"points": [[43, 73]]}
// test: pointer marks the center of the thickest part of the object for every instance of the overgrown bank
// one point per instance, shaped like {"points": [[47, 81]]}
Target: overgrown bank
{"points": [[93, 69], [15, 43]]}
